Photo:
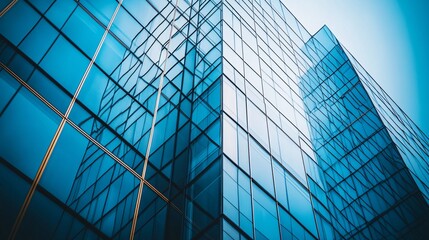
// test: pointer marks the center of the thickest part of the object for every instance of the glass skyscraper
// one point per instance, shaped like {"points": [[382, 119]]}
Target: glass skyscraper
{"points": [[197, 119]]}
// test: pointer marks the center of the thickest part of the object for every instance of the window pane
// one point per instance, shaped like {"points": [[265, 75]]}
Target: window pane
{"points": [[261, 166], [82, 179], [18, 21], [300, 206], [266, 223], [42, 36], [230, 138], [65, 64]]}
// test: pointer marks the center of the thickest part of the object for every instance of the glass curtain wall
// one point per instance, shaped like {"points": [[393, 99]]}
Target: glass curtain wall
{"points": [[196, 119], [110, 119]]}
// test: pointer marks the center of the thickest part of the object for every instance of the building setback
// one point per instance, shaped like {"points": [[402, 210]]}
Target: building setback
{"points": [[197, 119]]}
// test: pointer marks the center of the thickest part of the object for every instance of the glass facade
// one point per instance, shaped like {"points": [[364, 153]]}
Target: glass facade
{"points": [[373, 188], [197, 119]]}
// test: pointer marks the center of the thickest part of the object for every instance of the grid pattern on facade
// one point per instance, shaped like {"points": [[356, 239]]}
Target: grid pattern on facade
{"points": [[411, 142], [200, 119], [371, 191], [95, 168]]}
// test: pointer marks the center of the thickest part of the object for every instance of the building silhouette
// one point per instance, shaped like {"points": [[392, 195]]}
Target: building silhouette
{"points": [[197, 119]]}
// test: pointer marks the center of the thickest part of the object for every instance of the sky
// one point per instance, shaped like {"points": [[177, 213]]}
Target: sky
{"points": [[388, 37]]}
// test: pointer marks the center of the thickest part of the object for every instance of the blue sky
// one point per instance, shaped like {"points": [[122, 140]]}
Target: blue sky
{"points": [[390, 38]]}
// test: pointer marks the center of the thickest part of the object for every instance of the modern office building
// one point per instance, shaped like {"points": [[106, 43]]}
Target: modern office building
{"points": [[197, 119]]}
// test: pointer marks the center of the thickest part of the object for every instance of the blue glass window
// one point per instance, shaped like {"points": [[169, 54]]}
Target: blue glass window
{"points": [[237, 200], [299, 203], [230, 138], [84, 31], [280, 183], [101, 9], [26, 130], [266, 221], [9, 86], [18, 21], [65, 64], [42, 36], [286, 151], [257, 124], [111, 54], [60, 11], [93, 90], [261, 166]]}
